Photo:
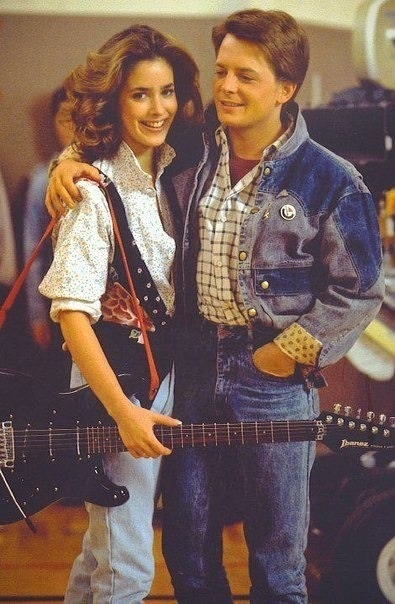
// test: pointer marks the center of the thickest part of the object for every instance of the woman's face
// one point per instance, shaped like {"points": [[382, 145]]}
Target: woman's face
{"points": [[147, 104]]}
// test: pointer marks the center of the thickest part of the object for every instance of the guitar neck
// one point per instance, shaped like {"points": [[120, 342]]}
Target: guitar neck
{"points": [[83, 442]]}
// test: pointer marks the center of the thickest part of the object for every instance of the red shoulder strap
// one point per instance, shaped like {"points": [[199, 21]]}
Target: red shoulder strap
{"points": [[14, 291]]}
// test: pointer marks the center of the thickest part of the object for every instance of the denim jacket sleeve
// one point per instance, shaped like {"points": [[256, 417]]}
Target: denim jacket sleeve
{"points": [[354, 286]]}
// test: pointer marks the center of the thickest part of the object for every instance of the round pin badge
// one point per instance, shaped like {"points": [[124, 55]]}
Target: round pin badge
{"points": [[288, 212]]}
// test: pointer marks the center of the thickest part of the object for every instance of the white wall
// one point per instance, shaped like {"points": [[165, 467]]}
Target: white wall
{"points": [[36, 52], [325, 13]]}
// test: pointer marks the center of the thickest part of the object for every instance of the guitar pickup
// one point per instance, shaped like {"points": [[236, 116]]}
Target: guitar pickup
{"points": [[7, 446]]}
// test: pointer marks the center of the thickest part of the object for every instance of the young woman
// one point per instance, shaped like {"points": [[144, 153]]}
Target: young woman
{"points": [[127, 97]]}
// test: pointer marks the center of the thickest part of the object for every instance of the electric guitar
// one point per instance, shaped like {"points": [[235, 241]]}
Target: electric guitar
{"points": [[51, 444]]}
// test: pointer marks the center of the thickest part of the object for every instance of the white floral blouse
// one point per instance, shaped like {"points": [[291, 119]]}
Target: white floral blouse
{"points": [[84, 238]]}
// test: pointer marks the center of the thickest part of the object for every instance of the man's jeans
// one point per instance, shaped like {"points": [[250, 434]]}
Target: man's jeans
{"points": [[217, 382]]}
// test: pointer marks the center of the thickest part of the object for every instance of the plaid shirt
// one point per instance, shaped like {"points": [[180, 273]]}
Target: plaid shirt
{"points": [[221, 214]]}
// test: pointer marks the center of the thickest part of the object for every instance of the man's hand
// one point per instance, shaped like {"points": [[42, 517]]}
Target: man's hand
{"points": [[271, 359], [62, 193]]}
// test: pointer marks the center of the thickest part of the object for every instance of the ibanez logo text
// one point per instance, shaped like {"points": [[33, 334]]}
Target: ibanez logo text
{"points": [[353, 443]]}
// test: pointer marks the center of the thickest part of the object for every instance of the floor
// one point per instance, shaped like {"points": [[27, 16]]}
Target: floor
{"points": [[34, 567]]}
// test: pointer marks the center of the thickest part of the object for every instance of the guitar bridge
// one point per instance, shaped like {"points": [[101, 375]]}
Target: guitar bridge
{"points": [[7, 447]]}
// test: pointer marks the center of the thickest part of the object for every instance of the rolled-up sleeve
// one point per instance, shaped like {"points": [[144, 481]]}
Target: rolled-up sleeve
{"points": [[83, 248]]}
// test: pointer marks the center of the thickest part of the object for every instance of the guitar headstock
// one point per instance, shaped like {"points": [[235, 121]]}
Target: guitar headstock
{"points": [[345, 431]]}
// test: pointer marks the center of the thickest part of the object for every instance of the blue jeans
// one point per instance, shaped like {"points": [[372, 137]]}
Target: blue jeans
{"points": [[116, 564], [217, 382]]}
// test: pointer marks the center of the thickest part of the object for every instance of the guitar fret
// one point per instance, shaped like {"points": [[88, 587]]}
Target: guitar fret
{"points": [[101, 445], [25, 437], [256, 433], [182, 436], [216, 435], [288, 432], [242, 434], [109, 439], [192, 436], [88, 442], [204, 436], [272, 432], [50, 450], [77, 440], [228, 431], [106, 436]]}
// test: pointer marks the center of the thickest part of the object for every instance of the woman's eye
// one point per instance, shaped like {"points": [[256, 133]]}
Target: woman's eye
{"points": [[137, 96]]}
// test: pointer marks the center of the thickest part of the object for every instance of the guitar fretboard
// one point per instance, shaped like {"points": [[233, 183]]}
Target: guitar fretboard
{"points": [[84, 442]]}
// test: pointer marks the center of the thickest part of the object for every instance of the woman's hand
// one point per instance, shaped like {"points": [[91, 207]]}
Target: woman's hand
{"points": [[135, 425], [62, 193]]}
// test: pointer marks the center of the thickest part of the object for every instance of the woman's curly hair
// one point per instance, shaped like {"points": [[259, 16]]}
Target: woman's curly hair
{"points": [[94, 88]]}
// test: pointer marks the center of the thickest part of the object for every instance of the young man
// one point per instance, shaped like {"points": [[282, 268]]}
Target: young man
{"points": [[281, 273], [286, 272]]}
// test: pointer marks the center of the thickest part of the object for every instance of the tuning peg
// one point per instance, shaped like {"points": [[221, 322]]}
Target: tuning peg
{"points": [[337, 408], [347, 410], [370, 415], [382, 419]]}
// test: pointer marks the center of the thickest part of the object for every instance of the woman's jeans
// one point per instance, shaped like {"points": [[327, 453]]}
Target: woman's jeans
{"points": [[217, 382], [116, 564]]}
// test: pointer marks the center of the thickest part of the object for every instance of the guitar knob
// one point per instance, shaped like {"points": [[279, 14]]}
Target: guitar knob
{"points": [[382, 419], [337, 408], [370, 415], [392, 422], [358, 414], [347, 410]]}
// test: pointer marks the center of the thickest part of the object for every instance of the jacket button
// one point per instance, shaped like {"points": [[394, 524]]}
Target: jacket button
{"points": [[251, 312], [242, 255], [264, 284], [267, 171]]}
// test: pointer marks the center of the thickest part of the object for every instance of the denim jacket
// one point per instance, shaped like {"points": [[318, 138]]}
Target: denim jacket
{"points": [[310, 251]]}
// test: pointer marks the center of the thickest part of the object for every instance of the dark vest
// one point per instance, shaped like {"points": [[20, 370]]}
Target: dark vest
{"points": [[120, 342]]}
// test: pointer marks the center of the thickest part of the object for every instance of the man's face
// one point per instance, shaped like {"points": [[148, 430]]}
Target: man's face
{"points": [[247, 94], [64, 127]]}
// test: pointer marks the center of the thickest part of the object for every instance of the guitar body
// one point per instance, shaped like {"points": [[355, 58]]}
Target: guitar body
{"points": [[38, 475]]}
